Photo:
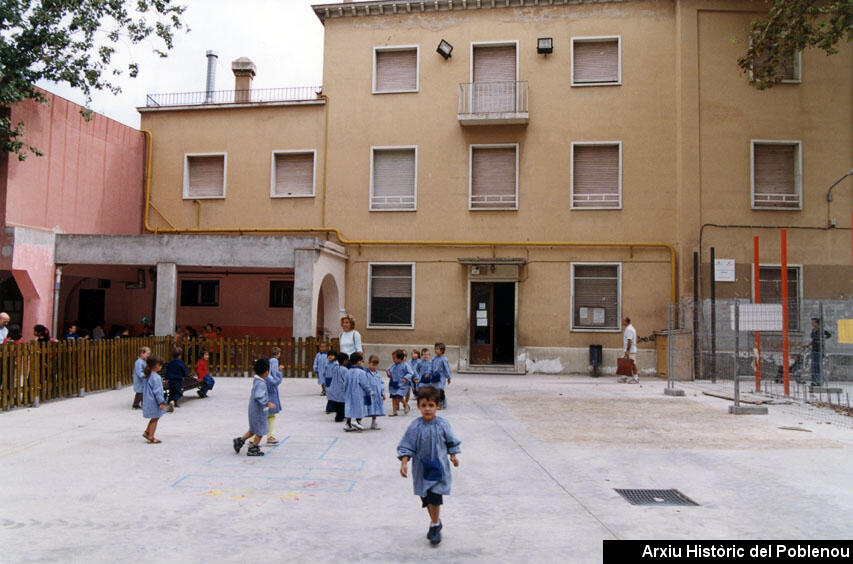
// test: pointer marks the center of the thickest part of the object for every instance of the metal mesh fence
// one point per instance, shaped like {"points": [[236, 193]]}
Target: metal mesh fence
{"points": [[748, 363]]}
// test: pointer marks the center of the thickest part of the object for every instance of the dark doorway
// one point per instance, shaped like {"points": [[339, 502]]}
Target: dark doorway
{"points": [[492, 323], [11, 300], [90, 310]]}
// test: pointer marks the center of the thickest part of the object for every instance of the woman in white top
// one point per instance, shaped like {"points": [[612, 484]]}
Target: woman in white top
{"points": [[350, 338]]}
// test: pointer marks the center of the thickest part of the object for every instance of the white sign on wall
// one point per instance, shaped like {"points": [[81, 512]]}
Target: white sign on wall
{"points": [[724, 270], [758, 317]]}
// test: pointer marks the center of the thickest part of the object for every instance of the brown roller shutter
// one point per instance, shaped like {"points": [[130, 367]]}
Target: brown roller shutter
{"points": [[596, 176], [294, 174], [775, 176], [596, 61], [393, 179], [596, 286], [396, 70], [494, 85], [207, 176], [493, 177]]}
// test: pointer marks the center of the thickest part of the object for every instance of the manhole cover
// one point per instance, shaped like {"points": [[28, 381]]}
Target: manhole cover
{"points": [[655, 497]]}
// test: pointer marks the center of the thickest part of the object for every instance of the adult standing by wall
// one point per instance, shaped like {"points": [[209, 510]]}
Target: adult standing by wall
{"points": [[350, 338], [629, 348], [817, 349], [4, 321]]}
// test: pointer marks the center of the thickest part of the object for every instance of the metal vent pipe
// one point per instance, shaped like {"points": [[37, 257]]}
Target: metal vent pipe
{"points": [[211, 75]]}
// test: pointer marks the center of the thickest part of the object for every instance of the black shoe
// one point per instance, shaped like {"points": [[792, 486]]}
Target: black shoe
{"points": [[434, 534], [136, 406], [238, 444], [254, 450], [200, 394]]}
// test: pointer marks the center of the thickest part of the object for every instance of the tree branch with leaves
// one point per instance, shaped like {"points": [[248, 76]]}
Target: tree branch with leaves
{"points": [[72, 42], [790, 27]]}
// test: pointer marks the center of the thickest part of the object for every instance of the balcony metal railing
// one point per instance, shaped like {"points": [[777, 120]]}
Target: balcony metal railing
{"points": [[493, 97], [261, 95], [392, 203], [493, 201], [596, 200], [777, 200]]}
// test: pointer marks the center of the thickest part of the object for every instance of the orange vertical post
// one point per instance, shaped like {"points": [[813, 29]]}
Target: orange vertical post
{"points": [[758, 301], [786, 368]]}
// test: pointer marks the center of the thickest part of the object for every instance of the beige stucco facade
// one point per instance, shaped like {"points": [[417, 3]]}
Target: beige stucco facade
{"points": [[682, 114]]}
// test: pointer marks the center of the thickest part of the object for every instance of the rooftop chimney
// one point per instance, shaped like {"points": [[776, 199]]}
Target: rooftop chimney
{"points": [[244, 71], [210, 84]]}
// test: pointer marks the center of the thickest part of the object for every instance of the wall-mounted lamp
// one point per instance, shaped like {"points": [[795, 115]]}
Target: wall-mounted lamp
{"points": [[444, 49], [829, 194], [545, 45]]}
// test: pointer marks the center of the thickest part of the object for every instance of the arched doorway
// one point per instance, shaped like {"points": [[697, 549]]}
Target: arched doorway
{"points": [[328, 306]]}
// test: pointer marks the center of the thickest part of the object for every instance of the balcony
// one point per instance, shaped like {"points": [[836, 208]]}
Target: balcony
{"points": [[493, 103], [264, 96]]}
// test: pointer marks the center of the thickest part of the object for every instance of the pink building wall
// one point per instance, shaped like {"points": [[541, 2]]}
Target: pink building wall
{"points": [[88, 181], [243, 307]]}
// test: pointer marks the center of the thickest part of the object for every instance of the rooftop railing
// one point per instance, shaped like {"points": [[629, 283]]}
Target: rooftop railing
{"points": [[220, 97]]}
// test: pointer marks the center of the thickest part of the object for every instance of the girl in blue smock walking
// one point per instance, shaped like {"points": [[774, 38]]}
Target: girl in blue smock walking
{"points": [[153, 398], [357, 393], [377, 398], [259, 406]]}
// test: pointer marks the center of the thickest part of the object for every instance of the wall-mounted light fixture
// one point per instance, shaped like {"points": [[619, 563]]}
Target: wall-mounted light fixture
{"points": [[545, 45], [444, 49]]}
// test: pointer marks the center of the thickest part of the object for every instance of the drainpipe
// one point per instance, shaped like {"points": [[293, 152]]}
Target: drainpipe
{"points": [[56, 283], [405, 243]]}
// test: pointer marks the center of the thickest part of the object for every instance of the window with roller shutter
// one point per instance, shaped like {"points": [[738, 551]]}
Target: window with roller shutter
{"points": [[596, 61], [776, 175], [292, 174], [770, 286], [393, 179], [493, 177], [789, 71], [391, 291], [204, 176], [494, 75], [395, 69], [596, 296], [597, 175]]}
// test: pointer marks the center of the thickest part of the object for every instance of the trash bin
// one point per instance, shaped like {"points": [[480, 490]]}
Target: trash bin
{"points": [[595, 355]]}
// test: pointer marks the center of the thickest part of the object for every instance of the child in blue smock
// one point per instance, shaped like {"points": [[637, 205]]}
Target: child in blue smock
{"points": [[176, 371], [400, 376], [414, 363], [336, 388], [331, 360], [259, 406], [423, 375], [153, 398], [273, 381], [321, 361], [440, 373], [356, 393], [138, 374], [427, 443], [377, 398]]}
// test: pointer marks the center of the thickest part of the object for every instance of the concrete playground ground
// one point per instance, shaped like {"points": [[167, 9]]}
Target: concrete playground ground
{"points": [[541, 458]]}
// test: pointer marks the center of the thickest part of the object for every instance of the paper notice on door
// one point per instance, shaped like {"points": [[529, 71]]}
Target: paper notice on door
{"points": [[482, 314], [481, 305], [482, 322], [584, 313], [598, 315]]}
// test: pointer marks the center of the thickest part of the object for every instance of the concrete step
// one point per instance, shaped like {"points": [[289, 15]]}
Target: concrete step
{"points": [[490, 369]]}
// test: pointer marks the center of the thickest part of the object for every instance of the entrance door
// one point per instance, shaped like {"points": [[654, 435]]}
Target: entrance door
{"points": [[90, 310], [492, 323]]}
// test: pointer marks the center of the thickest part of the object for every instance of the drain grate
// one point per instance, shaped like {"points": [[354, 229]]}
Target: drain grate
{"points": [[655, 497]]}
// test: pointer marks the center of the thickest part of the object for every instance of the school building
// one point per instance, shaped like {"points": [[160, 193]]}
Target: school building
{"points": [[510, 177]]}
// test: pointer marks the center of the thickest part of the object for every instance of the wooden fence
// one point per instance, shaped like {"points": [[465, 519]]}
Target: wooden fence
{"points": [[34, 372]]}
